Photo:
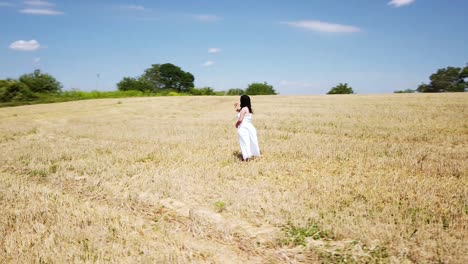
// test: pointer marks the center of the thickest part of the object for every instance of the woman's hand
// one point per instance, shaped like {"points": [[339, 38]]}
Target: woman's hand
{"points": [[235, 106]]}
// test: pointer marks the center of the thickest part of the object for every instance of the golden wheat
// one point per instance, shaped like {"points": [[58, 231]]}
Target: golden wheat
{"points": [[383, 178]]}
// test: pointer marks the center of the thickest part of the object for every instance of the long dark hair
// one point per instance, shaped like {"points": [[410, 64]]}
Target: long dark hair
{"points": [[245, 102]]}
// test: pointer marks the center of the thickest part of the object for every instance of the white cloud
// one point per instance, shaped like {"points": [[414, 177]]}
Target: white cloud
{"points": [[208, 63], [23, 45], [40, 7], [315, 25], [41, 11], [399, 3], [214, 50], [133, 7], [38, 3], [208, 18]]}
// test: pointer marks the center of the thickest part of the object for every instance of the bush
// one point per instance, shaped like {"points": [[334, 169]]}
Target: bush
{"points": [[220, 93], [140, 84], [202, 91], [341, 88], [131, 93], [14, 91], [173, 93], [76, 94], [39, 82], [260, 89], [405, 91], [235, 91]]}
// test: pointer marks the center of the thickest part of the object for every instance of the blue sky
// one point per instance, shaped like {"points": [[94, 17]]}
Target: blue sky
{"points": [[300, 47]]}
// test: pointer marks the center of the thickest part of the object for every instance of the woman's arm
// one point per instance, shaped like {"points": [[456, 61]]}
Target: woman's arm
{"points": [[243, 111]]}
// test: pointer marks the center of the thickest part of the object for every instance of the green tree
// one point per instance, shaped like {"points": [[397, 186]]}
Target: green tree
{"points": [[39, 82], [168, 76], [260, 89], [341, 88], [140, 84], [450, 79], [152, 75], [235, 91], [426, 88], [173, 77], [11, 90], [464, 73]]}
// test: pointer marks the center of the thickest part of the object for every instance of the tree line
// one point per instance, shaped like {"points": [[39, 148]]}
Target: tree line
{"points": [[450, 79], [169, 79], [158, 80]]}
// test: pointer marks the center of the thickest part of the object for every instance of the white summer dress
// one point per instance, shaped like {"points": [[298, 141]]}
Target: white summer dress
{"points": [[248, 137]]}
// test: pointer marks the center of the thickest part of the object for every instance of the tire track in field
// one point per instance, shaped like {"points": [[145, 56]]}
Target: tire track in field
{"points": [[202, 239]]}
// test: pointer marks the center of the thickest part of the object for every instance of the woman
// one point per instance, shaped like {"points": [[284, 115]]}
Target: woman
{"points": [[245, 129]]}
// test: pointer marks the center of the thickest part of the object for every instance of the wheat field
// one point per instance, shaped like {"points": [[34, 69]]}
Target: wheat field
{"points": [[341, 179]]}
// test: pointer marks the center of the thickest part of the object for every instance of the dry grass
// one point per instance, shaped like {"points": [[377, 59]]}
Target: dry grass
{"points": [[376, 179]]}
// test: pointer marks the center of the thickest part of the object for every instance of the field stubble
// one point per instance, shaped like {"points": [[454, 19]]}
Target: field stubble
{"points": [[375, 179]]}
